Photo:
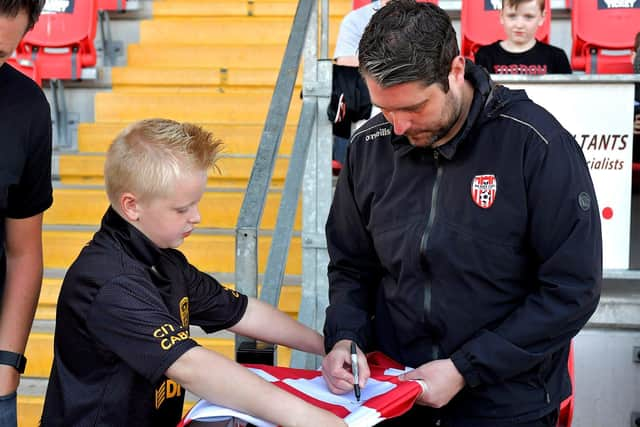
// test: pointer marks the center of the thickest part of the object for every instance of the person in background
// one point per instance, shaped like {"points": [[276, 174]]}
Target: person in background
{"points": [[350, 104], [123, 355], [520, 52], [25, 193], [464, 234]]}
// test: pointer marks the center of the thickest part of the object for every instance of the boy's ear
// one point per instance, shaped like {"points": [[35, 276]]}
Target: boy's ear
{"points": [[130, 206]]}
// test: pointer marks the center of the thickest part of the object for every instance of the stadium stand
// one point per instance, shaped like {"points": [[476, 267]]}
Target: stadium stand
{"points": [[62, 42], [480, 25], [602, 37]]}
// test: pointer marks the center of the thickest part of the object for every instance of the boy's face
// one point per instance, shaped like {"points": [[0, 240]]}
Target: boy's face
{"points": [[521, 24], [167, 221]]}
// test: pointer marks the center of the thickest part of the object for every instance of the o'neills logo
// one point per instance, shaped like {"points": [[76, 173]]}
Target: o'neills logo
{"points": [[184, 312], [380, 132], [483, 190]]}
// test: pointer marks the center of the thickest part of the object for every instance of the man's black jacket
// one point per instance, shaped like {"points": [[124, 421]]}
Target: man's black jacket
{"points": [[486, 250]]}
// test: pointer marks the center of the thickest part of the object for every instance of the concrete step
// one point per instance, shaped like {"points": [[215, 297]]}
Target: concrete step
{"points": [[222, 30], [195, 107], [197, 78], [88, 169], [256, 8], [208, 250], [238, 138], [219, 208], [253, 56]]}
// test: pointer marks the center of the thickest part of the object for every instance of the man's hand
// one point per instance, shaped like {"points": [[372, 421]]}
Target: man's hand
{"points": [[336, 368], [442, 380], [9, 379]]}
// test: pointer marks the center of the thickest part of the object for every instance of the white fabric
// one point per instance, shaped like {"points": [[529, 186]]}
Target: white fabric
{"points": [[351, 29]]}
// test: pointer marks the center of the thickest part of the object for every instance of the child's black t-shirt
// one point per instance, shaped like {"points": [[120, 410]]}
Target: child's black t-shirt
{"points": [[123, 318], [541, 59]]}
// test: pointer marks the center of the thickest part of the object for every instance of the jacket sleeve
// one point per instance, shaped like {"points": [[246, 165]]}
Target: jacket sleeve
{"points": [[564, 238], [354, 269]]}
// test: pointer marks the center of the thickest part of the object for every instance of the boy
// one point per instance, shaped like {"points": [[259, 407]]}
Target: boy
{"points": [[521, 53], [122, 348]]}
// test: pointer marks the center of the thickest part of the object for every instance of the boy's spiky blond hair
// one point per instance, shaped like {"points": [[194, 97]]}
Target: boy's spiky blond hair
{"points": [[146, 158]]}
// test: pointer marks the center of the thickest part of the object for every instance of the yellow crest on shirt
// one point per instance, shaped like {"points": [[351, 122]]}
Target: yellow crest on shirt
{"points": [[184, 312]]}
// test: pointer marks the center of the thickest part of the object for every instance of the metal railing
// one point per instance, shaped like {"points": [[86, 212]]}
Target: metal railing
{"points": [[303, 41]]}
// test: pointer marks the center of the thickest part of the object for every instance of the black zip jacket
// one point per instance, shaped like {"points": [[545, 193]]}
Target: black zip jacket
{"points": [[486, 250]]}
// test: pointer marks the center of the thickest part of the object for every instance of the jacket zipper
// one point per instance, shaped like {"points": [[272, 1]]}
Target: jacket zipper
{"points": [[425, 240]]}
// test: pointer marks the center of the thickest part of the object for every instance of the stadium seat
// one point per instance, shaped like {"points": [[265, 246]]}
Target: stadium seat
{"points": [[113, 5], [603, 37], [480, 25], [26, 67], [360, 3], [62, 41], [566, 407]]}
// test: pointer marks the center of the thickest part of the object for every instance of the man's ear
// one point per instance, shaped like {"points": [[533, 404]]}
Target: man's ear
{"points": [[457, 67], [130, 206]]}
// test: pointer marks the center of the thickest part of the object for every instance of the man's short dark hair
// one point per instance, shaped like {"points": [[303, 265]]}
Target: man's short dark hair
{"points": [[32, 8], [407, 41]]}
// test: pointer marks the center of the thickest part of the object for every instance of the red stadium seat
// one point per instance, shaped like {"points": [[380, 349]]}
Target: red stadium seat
{"points": [[480, 25], [360, 3], [114, 5], [61, 42], [26, 67], [603, 36], [566, 407]]}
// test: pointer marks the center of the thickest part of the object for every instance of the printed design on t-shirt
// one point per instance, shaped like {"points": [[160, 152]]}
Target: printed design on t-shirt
{"points": [[184, 312], [233, 292], [166, 390], [536, 70], [168, 335], [618, 4], [492, 4], [483, 190]]}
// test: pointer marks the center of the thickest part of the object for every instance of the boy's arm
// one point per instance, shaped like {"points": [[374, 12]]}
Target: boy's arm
{"points": [[220, 380], [21, 290], [266, 323]]}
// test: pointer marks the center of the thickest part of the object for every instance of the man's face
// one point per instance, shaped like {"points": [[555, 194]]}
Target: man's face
{"points": [[426, 115], [11, 32], [520, 25], [167, 221]]}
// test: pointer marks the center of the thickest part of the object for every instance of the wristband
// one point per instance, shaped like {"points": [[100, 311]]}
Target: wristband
{"points": [[16, 360]]}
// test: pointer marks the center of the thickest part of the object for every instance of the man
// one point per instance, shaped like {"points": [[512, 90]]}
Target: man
{"points": [[464, 235], [25, 192]]}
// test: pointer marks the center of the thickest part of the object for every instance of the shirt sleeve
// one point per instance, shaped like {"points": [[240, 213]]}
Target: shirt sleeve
{"points": [[561, 63], [129, 318], [213, 306], [354, 269], [34, 194], [349, 35], [481, 58]]}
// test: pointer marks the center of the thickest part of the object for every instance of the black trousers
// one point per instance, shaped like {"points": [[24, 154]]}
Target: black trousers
{"points": [[419, 417]]}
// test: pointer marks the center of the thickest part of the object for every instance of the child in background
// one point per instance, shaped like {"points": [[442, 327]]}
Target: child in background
{"points": [[520, 52], [122, 353]]}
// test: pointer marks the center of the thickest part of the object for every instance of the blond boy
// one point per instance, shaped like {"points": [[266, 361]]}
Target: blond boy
{"points": [[123, 355], [520, 52]]}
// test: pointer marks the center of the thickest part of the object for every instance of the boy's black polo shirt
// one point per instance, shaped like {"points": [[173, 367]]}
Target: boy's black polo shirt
{"points": [[122, 319]]}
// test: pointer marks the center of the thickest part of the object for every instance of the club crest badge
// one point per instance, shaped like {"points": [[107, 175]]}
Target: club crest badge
{"points": [[483, 190]]}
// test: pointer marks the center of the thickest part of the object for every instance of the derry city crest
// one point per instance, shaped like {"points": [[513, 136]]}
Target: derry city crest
{"points": [[483, 190]]}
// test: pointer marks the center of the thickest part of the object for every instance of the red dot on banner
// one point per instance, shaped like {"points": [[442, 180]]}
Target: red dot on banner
{"points": [[607, 213]]}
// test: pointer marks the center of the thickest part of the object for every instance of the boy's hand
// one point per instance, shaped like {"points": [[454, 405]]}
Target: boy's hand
{"points": [[9, 379], [336, 368], [442, 382]]}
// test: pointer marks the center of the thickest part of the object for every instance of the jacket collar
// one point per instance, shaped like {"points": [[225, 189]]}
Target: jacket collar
{"points": [[133, 242]]}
